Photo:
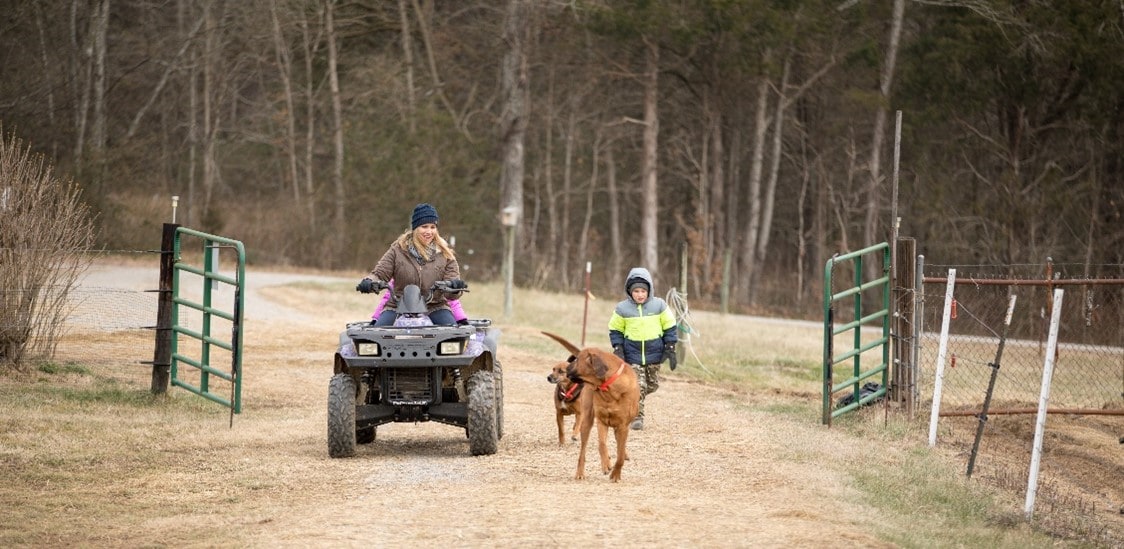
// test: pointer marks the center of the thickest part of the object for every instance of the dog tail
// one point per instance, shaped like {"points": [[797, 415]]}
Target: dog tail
{"points": [[569, 346]]}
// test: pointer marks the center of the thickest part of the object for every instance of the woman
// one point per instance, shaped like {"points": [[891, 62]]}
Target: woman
{"points": [[419, 257]]}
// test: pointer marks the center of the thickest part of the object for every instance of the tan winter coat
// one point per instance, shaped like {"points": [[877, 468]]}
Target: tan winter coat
{"points": [[397, 264]]}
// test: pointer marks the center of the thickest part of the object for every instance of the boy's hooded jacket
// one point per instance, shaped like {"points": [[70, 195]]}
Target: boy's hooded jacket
{"points": [[642, 330]]}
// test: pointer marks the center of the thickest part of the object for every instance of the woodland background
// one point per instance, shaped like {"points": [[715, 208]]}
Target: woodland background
{"points": [[753, 138]]}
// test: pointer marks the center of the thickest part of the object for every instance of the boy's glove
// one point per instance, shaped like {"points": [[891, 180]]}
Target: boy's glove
{"points": [[619, 351], [669, 352]]}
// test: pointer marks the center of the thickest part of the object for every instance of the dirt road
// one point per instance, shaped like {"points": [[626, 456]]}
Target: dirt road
{"points": [[709, 469]]}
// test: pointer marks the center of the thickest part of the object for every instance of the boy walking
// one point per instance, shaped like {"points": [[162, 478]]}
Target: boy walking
{"points": [[642, 331]]}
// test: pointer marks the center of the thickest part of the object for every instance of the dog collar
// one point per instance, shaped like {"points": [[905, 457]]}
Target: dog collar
{"points": [[572, 393], [605, 386]]}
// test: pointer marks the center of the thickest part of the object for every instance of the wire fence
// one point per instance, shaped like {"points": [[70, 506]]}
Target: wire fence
{"points": [[108, 326], [1089, 363], [1087, 384]]}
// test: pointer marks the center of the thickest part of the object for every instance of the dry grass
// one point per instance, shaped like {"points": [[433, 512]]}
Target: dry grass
{"points": [[735, 455]]}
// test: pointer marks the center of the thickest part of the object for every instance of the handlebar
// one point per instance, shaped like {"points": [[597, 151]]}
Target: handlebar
{"points": [[443, 286]]}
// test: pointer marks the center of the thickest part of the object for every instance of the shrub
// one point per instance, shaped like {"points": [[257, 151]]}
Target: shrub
{"points": [[45, 236]]}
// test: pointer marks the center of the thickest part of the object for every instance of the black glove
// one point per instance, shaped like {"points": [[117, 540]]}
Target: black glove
{"points": [[368, 286], [669, 352], [456, 284], [619, 351]]}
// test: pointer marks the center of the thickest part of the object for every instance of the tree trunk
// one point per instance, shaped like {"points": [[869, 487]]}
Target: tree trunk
{"points": [[587, 222], [80, 83], [563, 251], [513, 119], [771, 183], [171, 67], [717, 240], [46, 68], [649, 235], [748, 262], [873, 202], [617, 247], [100, 26], [438, 84], [285, 72], [311, 46], [210, 118], [190, 205], [408, 61], [337, 127]]}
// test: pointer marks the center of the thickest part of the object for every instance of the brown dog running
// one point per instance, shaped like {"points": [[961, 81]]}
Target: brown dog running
{"points": [[614, 401], [567, 400]]}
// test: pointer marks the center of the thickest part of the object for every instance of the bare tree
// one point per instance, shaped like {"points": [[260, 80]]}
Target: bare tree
{"points": [[99, 25], [337, 124], [513, 120], [649, 234], [748, 262], [285, 73], [769, 199], [513, 125], [616, 246], [311, 45], [170, 67], [211, 59], [886, 80], [408, 62], [438, 84]]}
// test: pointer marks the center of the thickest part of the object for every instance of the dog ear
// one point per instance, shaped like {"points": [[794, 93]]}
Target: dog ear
{"points": [[598, 364]]}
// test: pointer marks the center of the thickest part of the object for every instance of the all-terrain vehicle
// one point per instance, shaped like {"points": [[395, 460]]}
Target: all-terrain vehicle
{"points": [[415, 371]]}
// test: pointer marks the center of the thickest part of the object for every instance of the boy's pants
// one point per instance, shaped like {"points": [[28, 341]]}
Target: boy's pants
{"points": [[647, 376]]}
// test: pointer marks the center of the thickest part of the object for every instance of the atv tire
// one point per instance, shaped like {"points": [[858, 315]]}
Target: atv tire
{"points": [[341, 416], [483, 438], [499, 400]]}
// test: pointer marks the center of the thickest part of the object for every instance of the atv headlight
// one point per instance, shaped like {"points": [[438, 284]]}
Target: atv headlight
{"points": [[366, 348], [450, 347]]}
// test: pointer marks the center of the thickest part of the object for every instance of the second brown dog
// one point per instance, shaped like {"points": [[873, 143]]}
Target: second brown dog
{"points": [[567, 400], [614, 401]]}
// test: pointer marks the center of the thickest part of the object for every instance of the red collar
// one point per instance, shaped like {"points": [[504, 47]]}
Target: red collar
{"points": [[572, 393], [605, 386]]}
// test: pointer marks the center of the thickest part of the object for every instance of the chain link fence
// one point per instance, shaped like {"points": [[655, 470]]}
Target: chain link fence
{"points": [[1089, 363]]}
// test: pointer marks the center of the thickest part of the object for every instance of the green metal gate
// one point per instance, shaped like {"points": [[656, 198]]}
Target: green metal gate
{"points": [[850, 300], [193, 370]]}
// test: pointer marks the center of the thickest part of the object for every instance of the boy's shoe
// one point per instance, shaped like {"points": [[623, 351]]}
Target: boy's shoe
{"points": [[637, 424]]}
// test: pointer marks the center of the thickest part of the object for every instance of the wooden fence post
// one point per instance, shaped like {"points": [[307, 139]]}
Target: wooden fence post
{"points": [[901, 386], [162, 353]]}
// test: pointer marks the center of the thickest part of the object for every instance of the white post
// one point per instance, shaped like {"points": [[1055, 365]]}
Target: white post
{"points": [[942, 351], [1043, 401], [509, 217]]}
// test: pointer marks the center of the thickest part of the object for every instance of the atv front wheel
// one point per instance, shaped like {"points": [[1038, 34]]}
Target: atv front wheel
{"points": [[498, 375], [482, 436], [341, 416]]}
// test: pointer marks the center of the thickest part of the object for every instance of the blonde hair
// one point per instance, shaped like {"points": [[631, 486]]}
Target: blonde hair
{"points": [[409, 237]]}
